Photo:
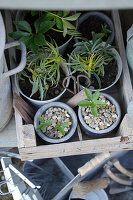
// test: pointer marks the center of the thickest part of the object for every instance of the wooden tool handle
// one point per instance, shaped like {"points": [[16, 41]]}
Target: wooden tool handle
{"points": [[93, 163], [75, 99], [82, 188]]}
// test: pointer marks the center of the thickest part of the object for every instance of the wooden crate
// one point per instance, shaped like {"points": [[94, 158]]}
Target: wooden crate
{"points": [[122, 140]]}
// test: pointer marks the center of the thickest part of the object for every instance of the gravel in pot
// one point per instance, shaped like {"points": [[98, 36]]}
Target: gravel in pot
{"points": [[55, 122], [106, 120]]}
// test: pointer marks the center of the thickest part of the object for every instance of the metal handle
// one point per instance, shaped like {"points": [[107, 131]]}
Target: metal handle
{"points": [[22, 63]]}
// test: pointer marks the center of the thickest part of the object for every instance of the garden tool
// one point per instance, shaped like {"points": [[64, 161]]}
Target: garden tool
{"points": [[73, 101], [81, 172], [122, 182], [5, 86]]}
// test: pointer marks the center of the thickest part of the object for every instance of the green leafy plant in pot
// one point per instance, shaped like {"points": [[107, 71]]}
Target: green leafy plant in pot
{"points": [[93, 57], [99, 115], [42, 75], [34, 34]]}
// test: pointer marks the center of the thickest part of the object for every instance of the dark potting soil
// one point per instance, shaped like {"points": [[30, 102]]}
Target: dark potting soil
{"points": [[57, 37], [92, 24], [109, 77], [26, 88]]}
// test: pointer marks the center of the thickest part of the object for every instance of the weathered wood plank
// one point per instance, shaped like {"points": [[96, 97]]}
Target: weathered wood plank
{"points": [[77, 148], [28, 133], [126, 126], [125, 82], [63, 4]]}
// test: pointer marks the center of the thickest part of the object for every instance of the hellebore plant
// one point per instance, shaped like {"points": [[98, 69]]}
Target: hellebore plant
{"points": [[92, 101], [34, 36]]}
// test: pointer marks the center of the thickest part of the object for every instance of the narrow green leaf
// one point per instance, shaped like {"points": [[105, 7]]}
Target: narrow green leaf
{"points": [[39, 39], [23, 25], [34, 48], [68, 24], [73, 17], [64, 31], [96, 95], [65, 125], [43, 129], [59, 23], [94, 110], [35, 87], [83, 103], [45, 26], [18, 34], [66, 13], [61, 129], [41, 119], [99, 103], [48, 122], [39, 126], [88, 93], [41, 89]]}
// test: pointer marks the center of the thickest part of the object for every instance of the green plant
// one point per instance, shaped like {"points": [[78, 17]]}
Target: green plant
{"points": [[61, 127], [91, 57], [34, 37], [92, 101], [43, 69], [43, 124]]}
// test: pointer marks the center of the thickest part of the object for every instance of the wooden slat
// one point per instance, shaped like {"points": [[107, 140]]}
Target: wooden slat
{"points": [[125, 82], [76, 148], [66, 4], [88, 146]]}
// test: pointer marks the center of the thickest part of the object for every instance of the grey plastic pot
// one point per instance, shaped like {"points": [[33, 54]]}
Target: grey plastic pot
{"points": [[59, 105], [101, 133], [119, 64], [39, 103], [5, 85], [20, 16], [129, 51], [95, 195], [101, 16]]}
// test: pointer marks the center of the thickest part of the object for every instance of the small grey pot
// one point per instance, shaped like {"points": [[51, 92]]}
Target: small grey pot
{"points": [[101, 133], [101, 16], [59, 105]]}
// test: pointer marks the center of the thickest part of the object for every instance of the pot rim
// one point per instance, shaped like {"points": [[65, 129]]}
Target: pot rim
{"points": [[102, 16], [60, 105], [39, 101], [119, 65], [109, 129]]}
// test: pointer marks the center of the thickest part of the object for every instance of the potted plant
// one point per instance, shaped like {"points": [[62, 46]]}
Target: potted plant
{"points": [[97, 22], [41, 80], [99, 115], [98, 60], [55, 122], [42, 26]]}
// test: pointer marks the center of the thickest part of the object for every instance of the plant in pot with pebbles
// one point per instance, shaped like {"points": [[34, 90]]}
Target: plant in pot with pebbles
{"points": [[98, 60], [99, 115], [36, 27], [55, 122], [41, 80]]}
